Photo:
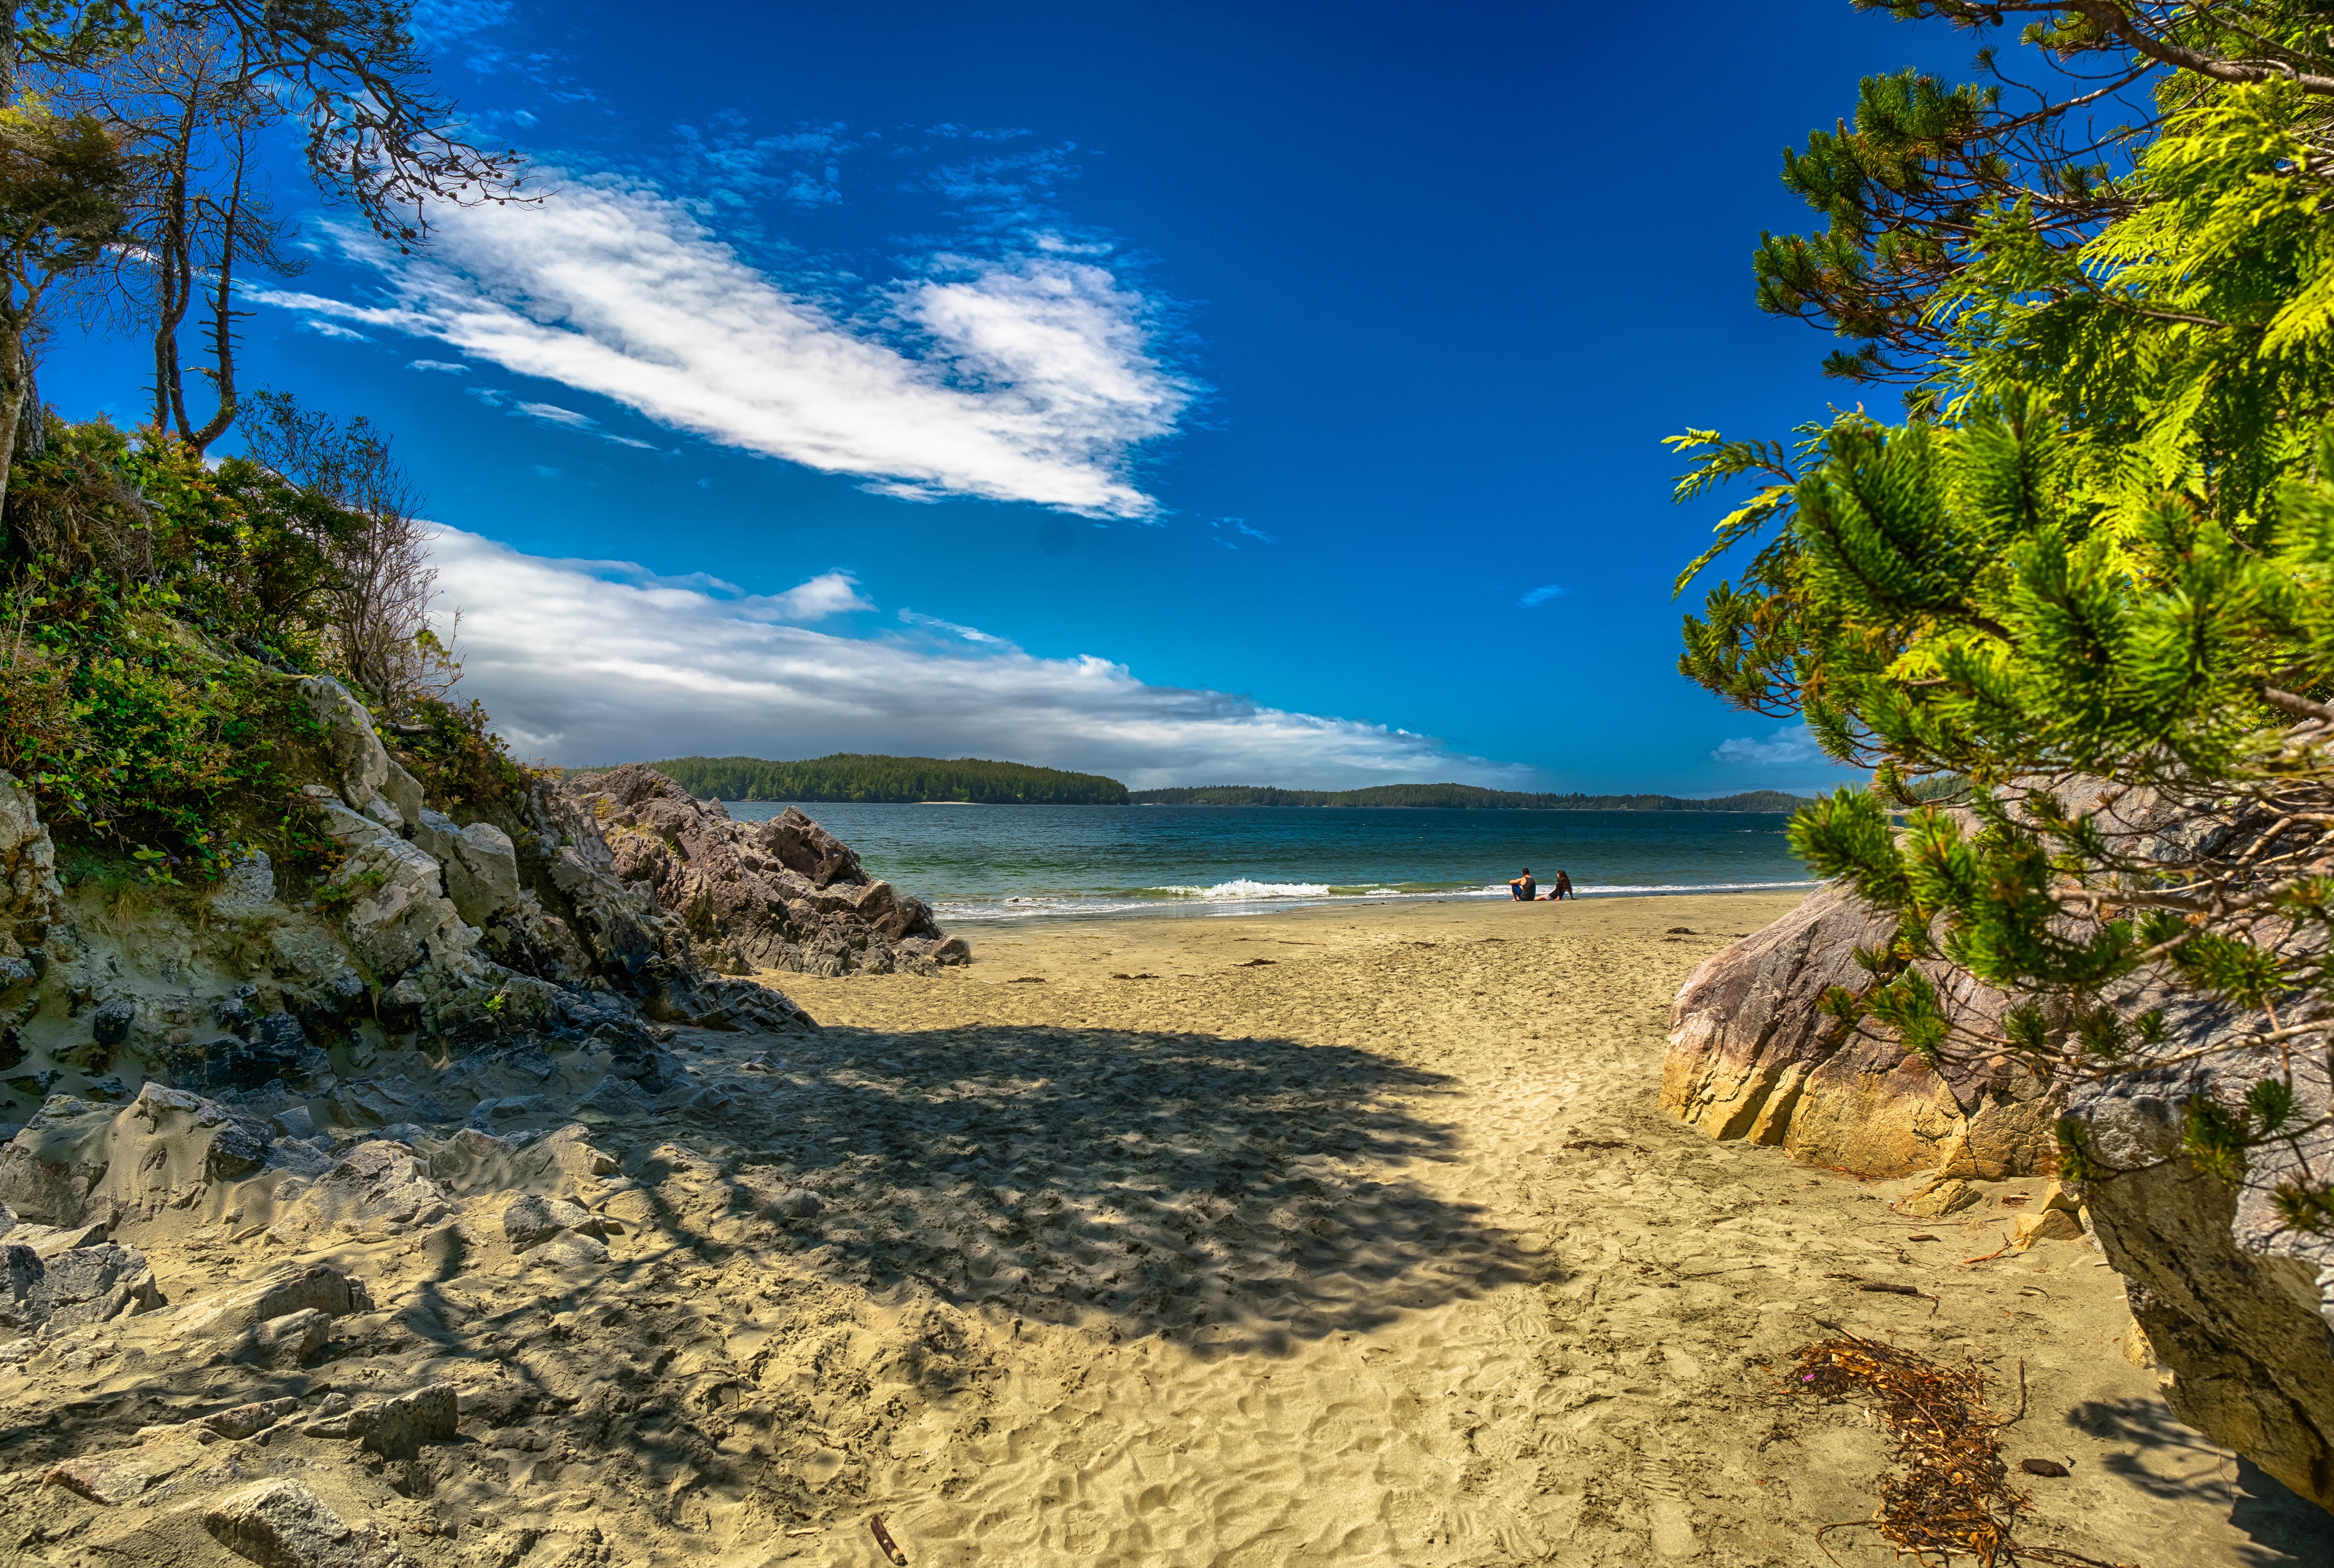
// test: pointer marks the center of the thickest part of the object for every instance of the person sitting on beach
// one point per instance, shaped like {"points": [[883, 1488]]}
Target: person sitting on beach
{"points": [[1524, 889], [1563, 888]]}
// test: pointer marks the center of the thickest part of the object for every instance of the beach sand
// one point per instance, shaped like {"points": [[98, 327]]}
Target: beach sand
{"points": [[1395, 1259], [1348, 1234]]}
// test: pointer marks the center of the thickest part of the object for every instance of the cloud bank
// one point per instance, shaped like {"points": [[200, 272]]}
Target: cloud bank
{"points": [[1030, 377], [583, 661]]}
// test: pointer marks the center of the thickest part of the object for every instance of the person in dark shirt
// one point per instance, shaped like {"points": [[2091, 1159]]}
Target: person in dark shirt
{"points": [[1524, 889], [1563, 886]]}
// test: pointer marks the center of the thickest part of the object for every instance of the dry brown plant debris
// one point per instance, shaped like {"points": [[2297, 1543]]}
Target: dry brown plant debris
{"points": [[1949, 1495]]}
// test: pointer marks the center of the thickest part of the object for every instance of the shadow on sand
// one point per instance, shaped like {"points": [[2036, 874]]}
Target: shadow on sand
{"points": [[2173, 1460], [1233, 1193]]}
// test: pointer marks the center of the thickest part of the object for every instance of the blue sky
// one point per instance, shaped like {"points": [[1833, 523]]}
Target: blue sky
{"points": [[1196, 394]]}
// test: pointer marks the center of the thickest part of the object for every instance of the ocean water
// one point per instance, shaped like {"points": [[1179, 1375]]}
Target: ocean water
{"points": [[1004, 863]]}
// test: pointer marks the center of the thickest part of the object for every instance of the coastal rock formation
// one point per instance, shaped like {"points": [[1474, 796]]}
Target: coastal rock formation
{"points": [[1751, 1055], [778, 895], [2237, 1306]]}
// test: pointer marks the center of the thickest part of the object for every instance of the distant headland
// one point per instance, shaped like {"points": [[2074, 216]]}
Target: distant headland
{"points": [[854, 777]]}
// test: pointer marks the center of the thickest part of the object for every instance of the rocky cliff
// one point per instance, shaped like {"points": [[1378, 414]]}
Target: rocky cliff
{"points": [[2237, 1306]]}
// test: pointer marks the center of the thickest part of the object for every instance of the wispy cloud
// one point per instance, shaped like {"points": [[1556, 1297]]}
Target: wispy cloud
{"points": [[1542, 594], [965, 633], [1026, 377], [1787, 748], [592, 662], [441, 365]]}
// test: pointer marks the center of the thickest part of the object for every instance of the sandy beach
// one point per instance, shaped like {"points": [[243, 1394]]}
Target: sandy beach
{"points": [[1347, 1234]]}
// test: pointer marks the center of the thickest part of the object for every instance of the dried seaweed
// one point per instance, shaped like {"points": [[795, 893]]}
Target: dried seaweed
{"points": [[1948, 1494]]}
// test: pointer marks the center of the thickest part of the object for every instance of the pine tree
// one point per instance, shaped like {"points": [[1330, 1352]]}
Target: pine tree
{"points": [[2077, 611]]}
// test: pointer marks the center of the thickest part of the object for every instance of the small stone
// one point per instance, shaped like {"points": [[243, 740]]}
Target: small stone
{"points": [[110, 1024], [244, 1420], [292, 1339], [398, 1428], [1938, 1198], [2042, 1468], [527, 1222], [295, 1121], [797, 1203], [281, 1523], [101, 1478], [2050, 1225]]}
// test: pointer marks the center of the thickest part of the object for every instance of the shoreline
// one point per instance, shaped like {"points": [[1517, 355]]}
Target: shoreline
{"points": [[1199, 906]]}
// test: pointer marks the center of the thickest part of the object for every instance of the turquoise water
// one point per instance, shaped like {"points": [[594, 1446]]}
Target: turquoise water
{"points": [[999, 862]]}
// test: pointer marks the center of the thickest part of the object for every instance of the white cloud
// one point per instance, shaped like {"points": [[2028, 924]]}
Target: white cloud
{"points": [[1542, 594], [451, 369], [1029, 379], [324, 328], [1789, 746], [601, 661], [553, 414], [934, 623]]}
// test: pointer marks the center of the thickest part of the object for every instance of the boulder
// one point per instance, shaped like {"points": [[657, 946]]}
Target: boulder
{"points": [[1751, 1055], [281, 1523], [482, 873], [2236, 1307], [396, 911], [249, 887], [380, 1186]]}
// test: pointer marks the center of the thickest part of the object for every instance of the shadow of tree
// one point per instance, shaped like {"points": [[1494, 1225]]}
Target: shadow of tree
{"points": [[1235, 1193], [2171, 1459]]}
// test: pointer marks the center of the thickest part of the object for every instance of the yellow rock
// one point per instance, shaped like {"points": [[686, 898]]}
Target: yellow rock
{"points": [[1938, 1198], [2050, 1225]]}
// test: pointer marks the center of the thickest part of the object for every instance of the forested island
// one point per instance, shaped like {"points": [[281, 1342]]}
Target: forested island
{"points": [[853, 776], [1467, 797]]}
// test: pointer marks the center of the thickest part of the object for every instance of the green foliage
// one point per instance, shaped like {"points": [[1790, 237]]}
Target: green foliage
{"points": [[460, 764], [849, 776], [158, 617], [1466, 796], [2084, 592]]}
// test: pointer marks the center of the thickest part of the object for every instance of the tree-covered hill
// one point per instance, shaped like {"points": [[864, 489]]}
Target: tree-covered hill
{"points": [[1454, 795], [853, 776]]}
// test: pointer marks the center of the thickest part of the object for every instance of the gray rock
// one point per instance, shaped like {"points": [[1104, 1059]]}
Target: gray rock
{"points": [[404, 793], [399, 914], [248, 886], [29, 890], [436, 831], [74, 1287], [399, 1427], [294, 1123], [482, 873], [281, 1523], [288, 1341], [110, 1024], [358, 757]]}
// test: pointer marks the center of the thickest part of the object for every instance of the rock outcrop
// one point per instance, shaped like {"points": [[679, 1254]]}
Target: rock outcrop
{"points": [[2237, 1306], [1751, 1055], [781, 894]]}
